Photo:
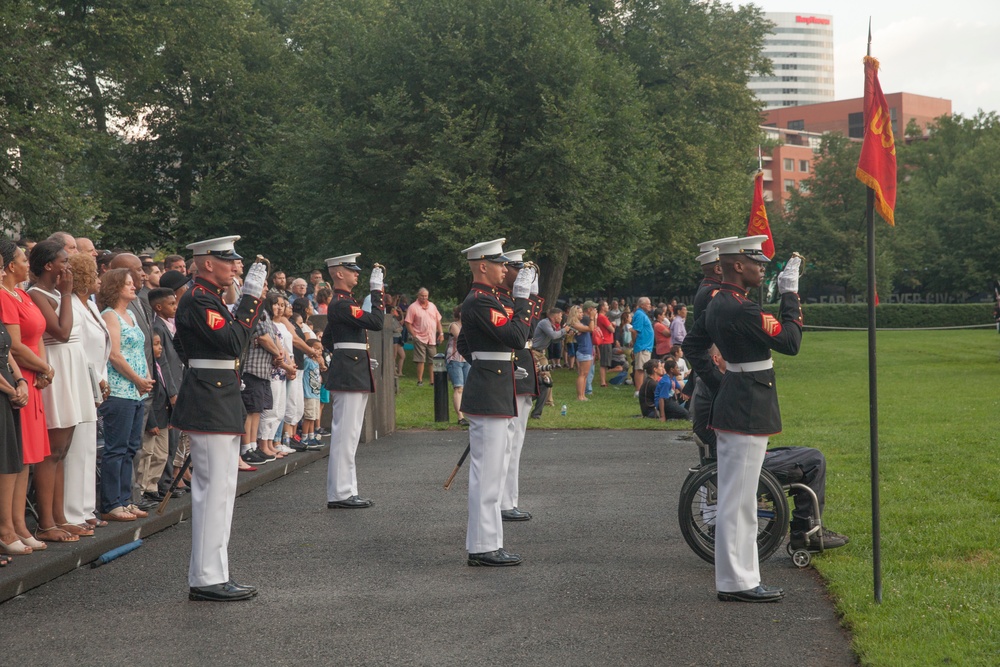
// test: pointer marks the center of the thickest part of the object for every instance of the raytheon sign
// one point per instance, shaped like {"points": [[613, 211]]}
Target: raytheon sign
{"points": [[812, 19]]}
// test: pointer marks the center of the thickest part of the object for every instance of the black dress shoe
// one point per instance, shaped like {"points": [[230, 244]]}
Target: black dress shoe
{"points": [[227, 592], [152, 497], [245, 587], [498, 558], [515, 515], [146, 503], [354, 502], [760, 594]]}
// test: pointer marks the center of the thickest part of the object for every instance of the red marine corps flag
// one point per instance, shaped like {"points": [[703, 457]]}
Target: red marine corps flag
{"points": [[877, 166], [758, 216], [877, 170]]}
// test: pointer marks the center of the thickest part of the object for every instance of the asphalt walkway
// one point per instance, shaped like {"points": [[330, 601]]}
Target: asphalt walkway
{"points": [[607, 577]]}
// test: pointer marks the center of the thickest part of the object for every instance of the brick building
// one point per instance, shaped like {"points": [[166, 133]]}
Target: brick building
{"points": [[847, 116]]}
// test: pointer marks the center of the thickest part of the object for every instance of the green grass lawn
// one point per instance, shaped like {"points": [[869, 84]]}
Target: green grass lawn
{"points": [[939, 402], [611, 407]]}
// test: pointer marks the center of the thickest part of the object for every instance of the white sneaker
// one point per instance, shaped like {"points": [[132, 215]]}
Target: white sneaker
{"points": [[635, 395], [284, 449]]}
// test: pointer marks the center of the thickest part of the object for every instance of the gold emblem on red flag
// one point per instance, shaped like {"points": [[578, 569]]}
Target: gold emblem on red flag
{"points": [[497, 318], [769, 324], [509, 311], [214, 320]]}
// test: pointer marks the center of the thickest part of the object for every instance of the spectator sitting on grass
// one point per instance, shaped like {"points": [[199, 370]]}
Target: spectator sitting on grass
{"points": [[668, 393], [652, 372]]}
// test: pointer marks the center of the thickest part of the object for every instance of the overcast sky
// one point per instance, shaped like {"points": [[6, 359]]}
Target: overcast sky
{"points": [[938, 48]]}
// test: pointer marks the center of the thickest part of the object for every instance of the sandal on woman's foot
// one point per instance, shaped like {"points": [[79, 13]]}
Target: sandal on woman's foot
{"points": [[97, 523], [80, 531], [30, 541], [15, 548], [134, 509], [118, 514], [55, 534], [5, 561]]}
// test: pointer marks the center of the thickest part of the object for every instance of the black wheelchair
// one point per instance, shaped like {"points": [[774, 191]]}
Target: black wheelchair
{"points": [[696, 512]]}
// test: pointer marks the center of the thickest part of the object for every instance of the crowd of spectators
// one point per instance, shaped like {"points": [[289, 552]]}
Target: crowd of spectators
{"points": [[612, 341], [89, 375]]}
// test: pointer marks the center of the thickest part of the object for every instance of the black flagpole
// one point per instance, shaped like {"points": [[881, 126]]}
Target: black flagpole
{"points": [[873, 383]]}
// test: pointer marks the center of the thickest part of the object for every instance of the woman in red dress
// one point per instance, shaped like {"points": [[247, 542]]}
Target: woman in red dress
{"points": [[25, 323]]}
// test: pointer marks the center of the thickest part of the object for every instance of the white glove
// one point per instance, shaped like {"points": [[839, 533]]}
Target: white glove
{"points": [[520, 373], [373, 363], [534, 284], [788, 279], [375, 282], [256, 280], [522, 284]]}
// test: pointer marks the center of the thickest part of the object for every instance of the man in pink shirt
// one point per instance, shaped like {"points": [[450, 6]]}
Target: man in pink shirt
{"points": [[423, 321]]}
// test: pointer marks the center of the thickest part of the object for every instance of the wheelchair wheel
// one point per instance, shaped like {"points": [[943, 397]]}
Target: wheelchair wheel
{"points": [[699, 503]]}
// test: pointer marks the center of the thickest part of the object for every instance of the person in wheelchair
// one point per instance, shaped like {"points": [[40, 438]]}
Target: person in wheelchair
{"points": [[788, 464]]}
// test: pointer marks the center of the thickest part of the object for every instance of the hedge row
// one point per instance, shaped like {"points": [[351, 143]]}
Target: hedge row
{"points": [[894, 316]]}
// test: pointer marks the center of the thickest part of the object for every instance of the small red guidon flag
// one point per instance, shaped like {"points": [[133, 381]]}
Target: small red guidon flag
{"points": [[758, 216], [877, 166]]}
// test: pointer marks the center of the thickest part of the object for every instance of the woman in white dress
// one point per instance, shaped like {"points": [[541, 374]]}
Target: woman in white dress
{"points": [[67, 400], [271, 420], [80, 465]]}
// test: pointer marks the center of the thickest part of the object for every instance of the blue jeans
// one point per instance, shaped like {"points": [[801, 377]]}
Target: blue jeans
{"points": [[123, 419], [590, 377]]}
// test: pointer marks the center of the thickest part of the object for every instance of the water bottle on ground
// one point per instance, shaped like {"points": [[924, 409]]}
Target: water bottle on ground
{"points": [[563, 411]]}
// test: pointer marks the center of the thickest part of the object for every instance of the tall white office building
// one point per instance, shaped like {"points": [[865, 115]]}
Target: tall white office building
{"points": [[801, 53]]}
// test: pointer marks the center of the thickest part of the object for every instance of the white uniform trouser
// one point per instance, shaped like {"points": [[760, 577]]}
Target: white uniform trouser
{"points": [[213, 493], [80, 474], [740, 458], [348, 408], [508, 500], [490, 439], [270, 419], [294, 402]]}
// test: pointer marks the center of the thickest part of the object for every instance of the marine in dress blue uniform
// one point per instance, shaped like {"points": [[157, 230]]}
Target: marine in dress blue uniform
{"points": [[526, 390], [350, 380], [745, 411], [209, 340], [712, 272], [488, 339]]}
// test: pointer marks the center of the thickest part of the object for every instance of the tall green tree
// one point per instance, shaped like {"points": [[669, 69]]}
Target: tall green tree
{"points": [[949, 206], [827, 225], [179, 97], [43, 185], [947, 214], [694, 60], [427, 126]]}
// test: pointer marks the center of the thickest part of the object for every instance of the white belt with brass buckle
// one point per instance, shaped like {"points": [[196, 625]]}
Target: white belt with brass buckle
{"points": [[214, 364], [350, 346], [493, 356], [750, 366]]}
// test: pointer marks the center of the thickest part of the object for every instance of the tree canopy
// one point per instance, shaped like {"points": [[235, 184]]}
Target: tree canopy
{"points": [[604, 137], [947, 216]]}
